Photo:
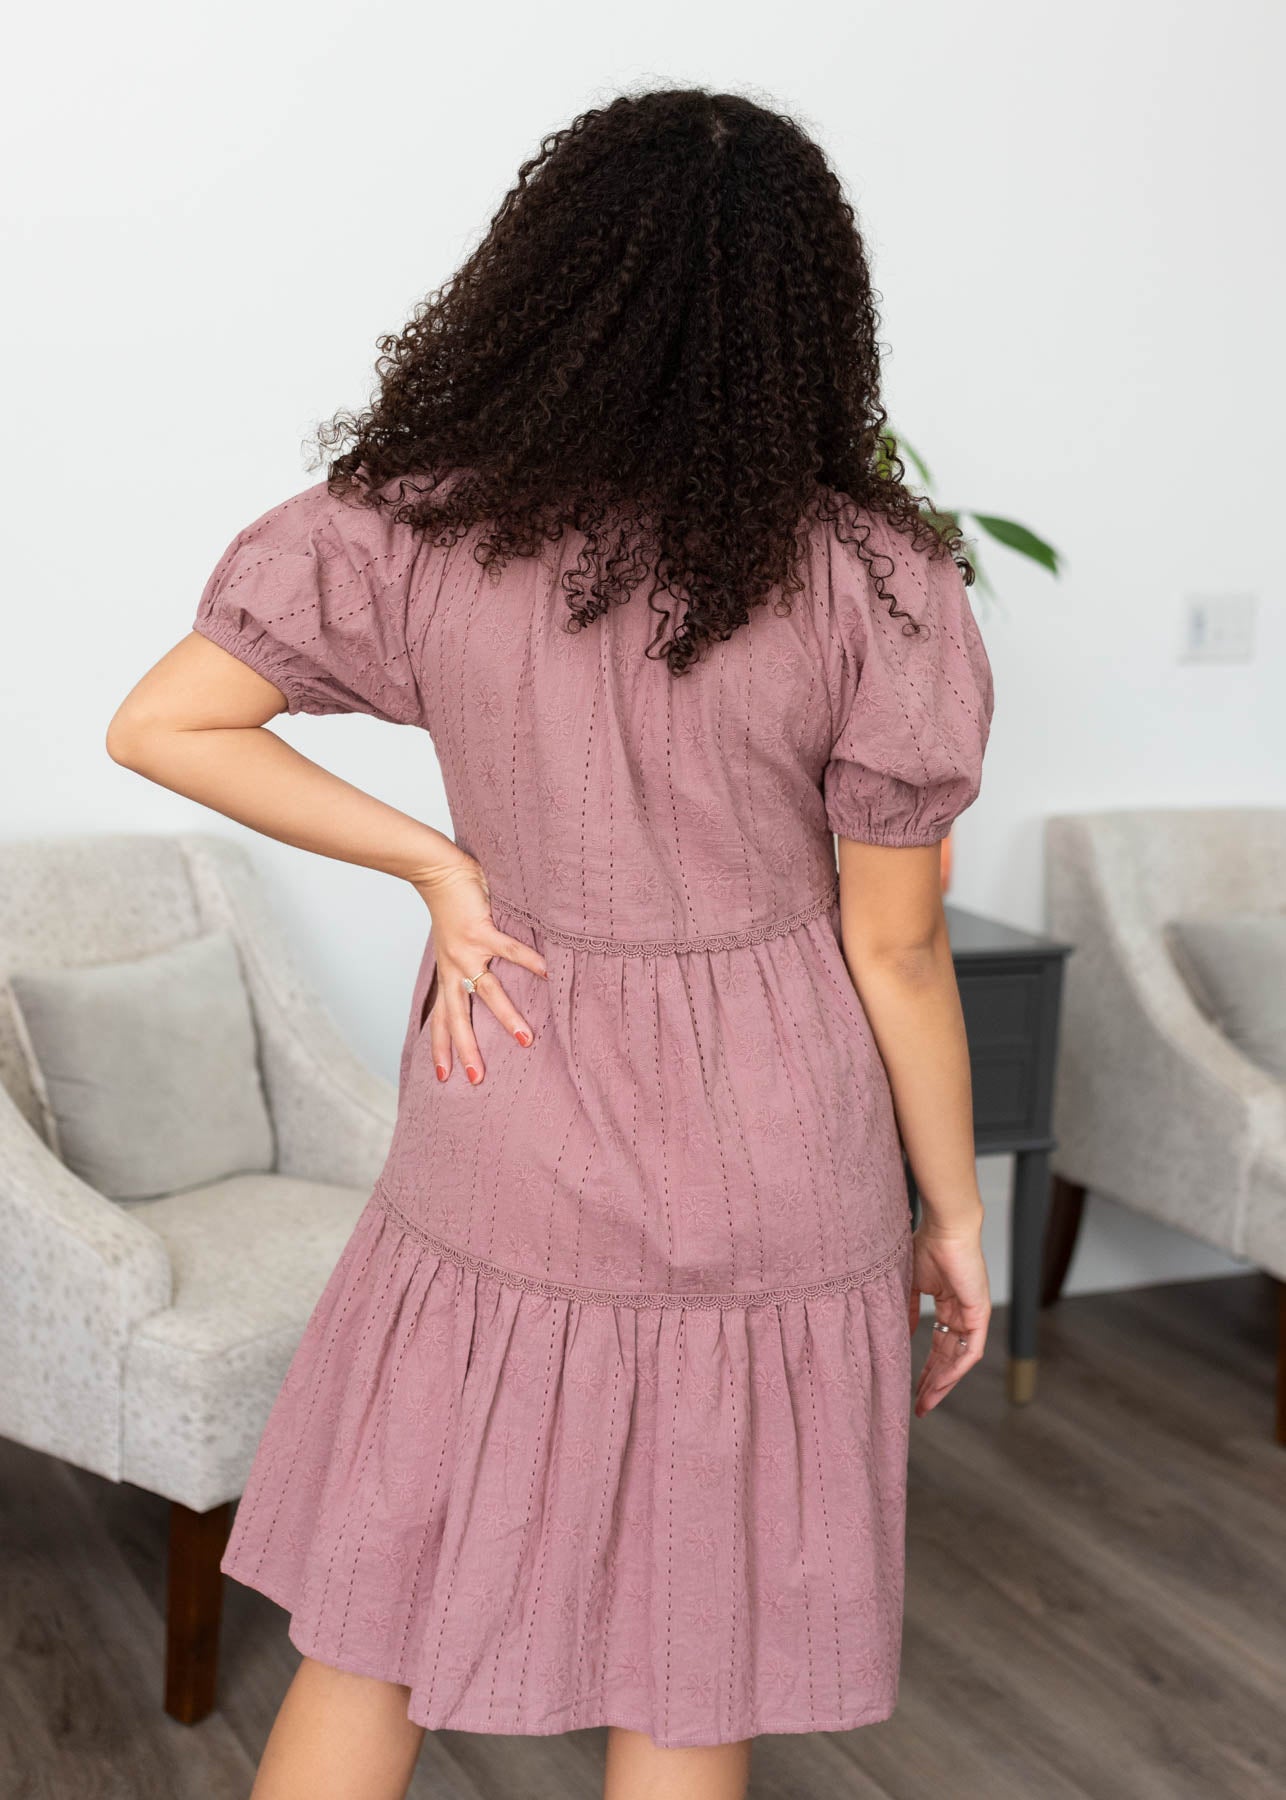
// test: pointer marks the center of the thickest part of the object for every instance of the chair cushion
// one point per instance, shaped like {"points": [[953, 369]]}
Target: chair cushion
{"points": [[251, 1256], [147, 1070], [1235, 965]]}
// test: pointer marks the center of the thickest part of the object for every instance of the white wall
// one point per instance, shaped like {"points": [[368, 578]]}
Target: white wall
{"points": [[216, 211]]}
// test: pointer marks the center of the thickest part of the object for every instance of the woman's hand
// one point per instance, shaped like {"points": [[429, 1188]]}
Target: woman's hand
{"points": [[465, 940], [949, 1265]]}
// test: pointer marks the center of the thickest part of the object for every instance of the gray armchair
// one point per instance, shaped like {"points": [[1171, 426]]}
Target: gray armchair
{"points": [[1153, 1105], [146, 1340]]}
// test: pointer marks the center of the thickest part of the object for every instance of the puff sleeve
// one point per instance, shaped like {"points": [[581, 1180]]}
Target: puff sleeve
{"points": [[913, 712], [317, 595]]}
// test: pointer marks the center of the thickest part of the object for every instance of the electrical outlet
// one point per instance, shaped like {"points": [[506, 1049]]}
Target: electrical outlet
{"points": [[1219, 628]]}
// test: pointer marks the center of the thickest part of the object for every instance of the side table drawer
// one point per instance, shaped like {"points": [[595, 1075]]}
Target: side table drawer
{"points": [[1005, 1009]]}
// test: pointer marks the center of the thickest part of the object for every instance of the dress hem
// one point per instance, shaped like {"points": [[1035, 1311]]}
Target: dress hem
{"points": [[601, 1711]]}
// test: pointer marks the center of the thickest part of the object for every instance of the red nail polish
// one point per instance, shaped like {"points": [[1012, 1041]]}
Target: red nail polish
{"points": [[472, 1073], [442, 1072], [523, 1037]]}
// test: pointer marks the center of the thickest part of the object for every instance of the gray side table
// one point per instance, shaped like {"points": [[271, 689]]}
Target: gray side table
{"points": [[1010, 986]]}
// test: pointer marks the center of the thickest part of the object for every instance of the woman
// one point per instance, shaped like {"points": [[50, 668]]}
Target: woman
{"points": [[602, 1416]]}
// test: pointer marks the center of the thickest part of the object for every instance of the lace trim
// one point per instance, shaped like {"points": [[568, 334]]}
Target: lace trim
{"points": [[724, 940], [634, 1297]]}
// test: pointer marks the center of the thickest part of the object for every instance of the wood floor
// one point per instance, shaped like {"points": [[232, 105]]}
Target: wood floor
{"points": [[1096, 1602]]}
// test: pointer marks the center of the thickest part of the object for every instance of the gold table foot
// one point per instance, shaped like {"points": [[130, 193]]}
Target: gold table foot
{"points": [[1022, 1379]]}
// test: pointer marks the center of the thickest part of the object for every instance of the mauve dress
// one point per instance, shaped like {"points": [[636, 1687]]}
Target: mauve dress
{"points": [[602, 1415]]}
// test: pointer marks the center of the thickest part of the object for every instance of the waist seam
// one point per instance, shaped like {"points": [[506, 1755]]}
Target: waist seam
{"points": [[721, 940], [645, 1299]]}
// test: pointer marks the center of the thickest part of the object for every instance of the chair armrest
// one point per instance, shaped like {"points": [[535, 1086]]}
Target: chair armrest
{"points": [[333, 1116], [77, 1274], [1153, 1105]]}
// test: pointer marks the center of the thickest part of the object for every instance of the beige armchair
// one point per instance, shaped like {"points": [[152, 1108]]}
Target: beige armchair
{"points": [[1153, 1105], [146, 1340]]}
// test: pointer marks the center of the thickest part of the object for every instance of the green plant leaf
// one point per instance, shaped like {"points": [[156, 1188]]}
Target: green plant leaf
{"points": [[1018, 537]]}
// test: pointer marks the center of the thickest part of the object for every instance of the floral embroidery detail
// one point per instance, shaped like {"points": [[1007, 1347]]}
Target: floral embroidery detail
{"points": [[719, 883], [393, 1557], [377, 1621], [774, 1126], [700, 1688], [558, 871], [702, 1538], [645, 885], [703, 1613], [788, 1198], [559, 721], [773, 1458], [779, 852], [777, 1531], [780, 1672], [403, 1486], [601, 1265], [580, 1456], [489, 704], [553, 798], [770, 1383], [696, 1207], [707, 1470]]}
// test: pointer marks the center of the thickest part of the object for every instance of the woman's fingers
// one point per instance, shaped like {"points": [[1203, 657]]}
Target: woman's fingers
{"points": [[451, 1021], [525, 955], [490, 990], [949, 1357], [460, 1025], [440, 1038]]}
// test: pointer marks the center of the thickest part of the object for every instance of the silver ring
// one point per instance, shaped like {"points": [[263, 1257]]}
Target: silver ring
{"points": [[938, 1325]]}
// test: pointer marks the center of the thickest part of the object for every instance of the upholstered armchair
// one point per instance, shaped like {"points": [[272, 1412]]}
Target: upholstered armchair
{"points": [[146, 1340], [1153, 1105]]}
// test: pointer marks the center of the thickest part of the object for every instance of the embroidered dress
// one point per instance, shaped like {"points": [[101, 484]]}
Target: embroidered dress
{"points": [[602, 1416]]}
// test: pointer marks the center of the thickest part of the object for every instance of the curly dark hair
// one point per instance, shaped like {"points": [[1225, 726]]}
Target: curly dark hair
{"points": [[666, 340]]}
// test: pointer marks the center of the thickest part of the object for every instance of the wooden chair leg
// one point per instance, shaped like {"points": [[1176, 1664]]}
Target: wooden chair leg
{"points": [[1281, 1362], [1066, 1209], [194, 1606]]}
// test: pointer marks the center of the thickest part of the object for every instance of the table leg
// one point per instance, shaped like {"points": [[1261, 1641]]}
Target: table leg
{"points": [[1027, 1241]]}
